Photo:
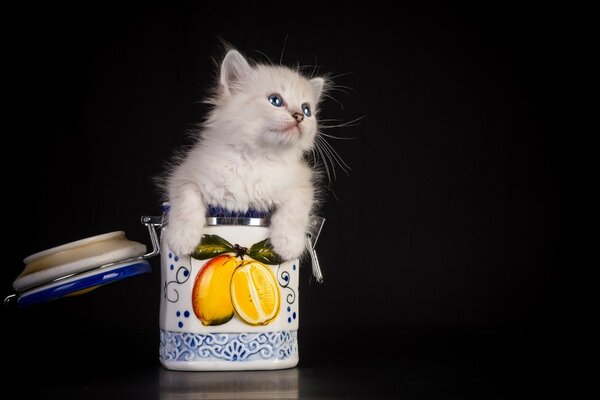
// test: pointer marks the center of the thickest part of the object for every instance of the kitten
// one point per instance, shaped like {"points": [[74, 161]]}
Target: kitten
{"points": [[250, 155]]}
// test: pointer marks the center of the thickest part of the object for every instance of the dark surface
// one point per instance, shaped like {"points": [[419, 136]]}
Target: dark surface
{"points": [[441, 247], [386, 364]]}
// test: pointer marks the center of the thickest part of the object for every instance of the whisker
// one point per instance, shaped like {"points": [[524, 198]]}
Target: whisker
{"points": [[330, 162], [335, 89], [305, 66], [329, 119], [315, 66], [330, 159], [340, 75], [264, 55], [345, 124], [283, 49], [315, 69], [335, 156], [335, 137], [334, 99], [342, 89], [323, 160], [337, 126]]}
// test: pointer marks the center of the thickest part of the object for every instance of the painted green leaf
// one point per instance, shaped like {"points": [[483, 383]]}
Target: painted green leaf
{"points": [[211, 246], [263, 252]]}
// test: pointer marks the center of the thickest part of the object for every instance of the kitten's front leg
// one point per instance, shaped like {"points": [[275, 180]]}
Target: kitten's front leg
{"points": [[289, 224], [187, 217]]}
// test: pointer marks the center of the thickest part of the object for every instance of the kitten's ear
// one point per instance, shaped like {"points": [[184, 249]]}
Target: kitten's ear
{"points": [[317, 86], [234, 70]]}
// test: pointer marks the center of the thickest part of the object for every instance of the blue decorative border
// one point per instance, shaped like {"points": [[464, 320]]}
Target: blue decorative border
{"points": [[237, 347]]}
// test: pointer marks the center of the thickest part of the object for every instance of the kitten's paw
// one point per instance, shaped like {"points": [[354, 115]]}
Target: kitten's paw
{"points": [[183, 237], [288, 245]]}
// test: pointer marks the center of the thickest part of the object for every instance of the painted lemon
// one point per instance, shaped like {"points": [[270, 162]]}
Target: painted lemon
{"points": [[255, 293], [210, 297]]}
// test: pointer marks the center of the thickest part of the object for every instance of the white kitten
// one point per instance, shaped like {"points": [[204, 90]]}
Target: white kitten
{"points": [[250, 156]]}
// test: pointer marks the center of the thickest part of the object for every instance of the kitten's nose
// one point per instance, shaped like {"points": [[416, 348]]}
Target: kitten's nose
{"points": [[298, 116]]}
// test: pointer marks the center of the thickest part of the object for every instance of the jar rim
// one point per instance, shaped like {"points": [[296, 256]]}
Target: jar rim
{"points": [[214, 221]]}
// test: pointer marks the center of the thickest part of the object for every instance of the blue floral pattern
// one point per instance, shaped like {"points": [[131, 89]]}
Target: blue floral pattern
{"points": [[185, 346]]}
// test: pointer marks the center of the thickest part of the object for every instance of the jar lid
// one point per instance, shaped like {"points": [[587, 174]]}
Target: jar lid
{"points": [[83, 283], [83, 265], [76, 257]]}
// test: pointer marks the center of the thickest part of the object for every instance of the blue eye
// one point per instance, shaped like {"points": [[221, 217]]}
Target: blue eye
{"points": [[306, 109], [275, 100]]}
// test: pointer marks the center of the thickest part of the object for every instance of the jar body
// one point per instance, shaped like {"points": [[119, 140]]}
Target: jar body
{"points": [[228, 312]]}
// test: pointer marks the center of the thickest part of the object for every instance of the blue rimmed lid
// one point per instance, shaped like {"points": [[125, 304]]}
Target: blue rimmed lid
{"points": [[80, 266], [82, 282]]}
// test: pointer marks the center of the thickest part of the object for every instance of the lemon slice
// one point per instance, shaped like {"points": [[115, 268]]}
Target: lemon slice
{"points": [[255, 293]]}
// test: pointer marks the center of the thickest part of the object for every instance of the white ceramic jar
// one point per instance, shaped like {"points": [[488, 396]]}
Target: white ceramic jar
{"points": [[231, 304]]}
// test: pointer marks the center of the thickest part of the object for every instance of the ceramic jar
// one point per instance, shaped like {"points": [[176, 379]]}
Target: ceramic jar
{"points": [[231, 304]]}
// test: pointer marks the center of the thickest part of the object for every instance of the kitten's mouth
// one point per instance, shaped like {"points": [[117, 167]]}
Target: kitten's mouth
{"points": [[291, 128]]}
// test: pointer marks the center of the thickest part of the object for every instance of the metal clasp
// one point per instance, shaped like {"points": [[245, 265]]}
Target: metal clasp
{"points": [[153, 222], [316, 225]]}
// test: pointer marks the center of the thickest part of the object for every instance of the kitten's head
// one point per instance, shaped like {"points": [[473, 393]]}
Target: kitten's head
{"points": [[264, 106]]}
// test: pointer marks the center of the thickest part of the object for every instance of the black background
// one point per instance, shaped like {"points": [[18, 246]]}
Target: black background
{"points": [[448, 222]]}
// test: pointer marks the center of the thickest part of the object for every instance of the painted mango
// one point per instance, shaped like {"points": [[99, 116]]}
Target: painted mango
{"points": [[210, 297]]}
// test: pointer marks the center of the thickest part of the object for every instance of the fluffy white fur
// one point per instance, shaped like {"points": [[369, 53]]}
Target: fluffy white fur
{"points": [[250, 155]]}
